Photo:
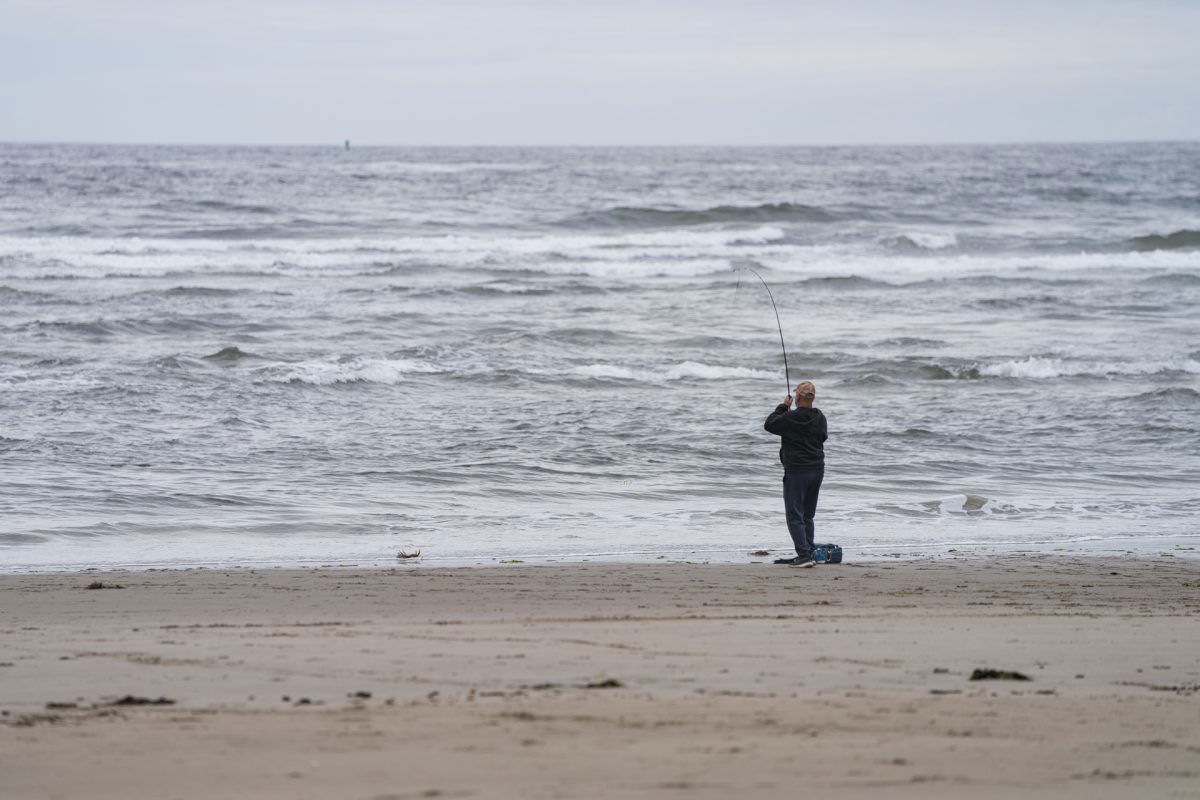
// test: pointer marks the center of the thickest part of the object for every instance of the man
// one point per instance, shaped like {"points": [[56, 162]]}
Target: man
{"points": [[802, 434]]}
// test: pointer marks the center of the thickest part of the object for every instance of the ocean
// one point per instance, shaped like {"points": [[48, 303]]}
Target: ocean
{"points": [[307, 355]]}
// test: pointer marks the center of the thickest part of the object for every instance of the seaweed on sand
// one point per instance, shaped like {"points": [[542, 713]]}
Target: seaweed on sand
{"points": [[998, 675]]}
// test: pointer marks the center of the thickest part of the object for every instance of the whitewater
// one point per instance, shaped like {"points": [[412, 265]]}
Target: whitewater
{"points": [[286, 355]]}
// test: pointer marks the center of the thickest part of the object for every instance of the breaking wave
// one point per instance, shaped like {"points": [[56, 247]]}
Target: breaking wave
{"points": [[41, 258], [352, 370], [1030, 368], [1040, 368]]}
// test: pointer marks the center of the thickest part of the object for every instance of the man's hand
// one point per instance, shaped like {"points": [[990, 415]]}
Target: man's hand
{"points": [[787, 401]]}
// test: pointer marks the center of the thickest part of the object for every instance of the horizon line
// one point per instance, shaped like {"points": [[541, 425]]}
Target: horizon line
{"points": [[339, 144]]}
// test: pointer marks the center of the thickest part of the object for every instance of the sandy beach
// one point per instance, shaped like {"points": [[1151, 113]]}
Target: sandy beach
{"points": [[606, 680]]}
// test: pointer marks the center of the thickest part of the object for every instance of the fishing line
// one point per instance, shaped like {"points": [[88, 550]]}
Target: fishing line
{"points": [[786, 376]]}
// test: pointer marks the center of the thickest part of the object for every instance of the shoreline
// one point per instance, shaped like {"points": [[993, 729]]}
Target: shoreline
{"points": [[606, 680], [1137, 546]]}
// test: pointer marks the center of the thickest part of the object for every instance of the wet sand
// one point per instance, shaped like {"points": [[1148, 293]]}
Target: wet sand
{"points": [[607, 680]]}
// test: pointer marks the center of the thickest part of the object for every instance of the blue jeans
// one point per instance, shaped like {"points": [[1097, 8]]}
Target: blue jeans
{"points": [[800, 491]]}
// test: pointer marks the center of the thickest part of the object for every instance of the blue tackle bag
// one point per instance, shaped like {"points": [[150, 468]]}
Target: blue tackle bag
{"points": [[827, 553]]}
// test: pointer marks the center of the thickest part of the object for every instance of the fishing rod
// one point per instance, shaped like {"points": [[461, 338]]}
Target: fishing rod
{"points": [[786, 375]]}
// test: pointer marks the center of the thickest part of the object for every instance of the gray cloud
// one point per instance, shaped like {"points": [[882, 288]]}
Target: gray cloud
{"points": [[653, 72]]}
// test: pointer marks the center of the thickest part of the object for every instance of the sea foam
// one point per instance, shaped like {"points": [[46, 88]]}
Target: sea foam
{"points": [[353, 370]]}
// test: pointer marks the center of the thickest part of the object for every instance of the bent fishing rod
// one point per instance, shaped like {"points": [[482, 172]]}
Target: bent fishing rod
{"points": [[786, 375]]}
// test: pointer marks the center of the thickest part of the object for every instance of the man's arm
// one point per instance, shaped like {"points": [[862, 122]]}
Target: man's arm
{"points": [[773, 423]]}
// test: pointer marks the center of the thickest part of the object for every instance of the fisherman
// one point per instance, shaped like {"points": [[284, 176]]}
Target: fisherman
{"points": [[802, 434]]}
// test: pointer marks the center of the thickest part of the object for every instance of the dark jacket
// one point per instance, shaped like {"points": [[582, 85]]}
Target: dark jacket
{"points": [[802, 436]]}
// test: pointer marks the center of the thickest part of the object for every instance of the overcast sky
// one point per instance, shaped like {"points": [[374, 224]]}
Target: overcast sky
{"points": [[616, 72]]}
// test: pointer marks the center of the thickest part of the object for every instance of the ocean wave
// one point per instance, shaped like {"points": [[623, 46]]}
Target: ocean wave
{"points": [[937, 372], [36, 258], [1021, 278], [625, 256], [229, 355], [908, 341], [1077, 194], [172, 363], [855, 370], [1185, 239], [1023, 301], [186, 292], [580, 335], [94, 328], [239, 208], [900, 369], [685, 370], [635, 217], [201, 291], [1041, 368], [153, 326], [844, 282], [643, 268], [191, 206], [251, 232], [960, 504], [376, 169], [22, 538], [18, 380], [629, 255], [501, 288], [8, 294], [1175, 396], [351, 370], [509, 291], [913, 270], [9, 443], [867, 379], [1173, 279], [969, 504], [921, 241], [911, 433]]}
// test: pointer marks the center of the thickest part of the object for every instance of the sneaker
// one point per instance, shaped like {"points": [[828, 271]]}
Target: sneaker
{"points": [[796, 561]]}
